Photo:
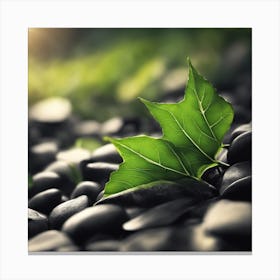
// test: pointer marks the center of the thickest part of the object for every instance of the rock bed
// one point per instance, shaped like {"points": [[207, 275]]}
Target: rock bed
{"points": [[67, 211]]}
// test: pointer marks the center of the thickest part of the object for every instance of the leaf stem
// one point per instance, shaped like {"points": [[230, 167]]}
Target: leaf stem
{"points": [[225, 146], [223, 164]]}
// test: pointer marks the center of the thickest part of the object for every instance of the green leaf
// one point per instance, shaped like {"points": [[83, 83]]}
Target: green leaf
{"points": [[193, 130]]}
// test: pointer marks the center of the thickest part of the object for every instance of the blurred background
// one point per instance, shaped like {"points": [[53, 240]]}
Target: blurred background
{"points": [[102, 71], [84, 83]]}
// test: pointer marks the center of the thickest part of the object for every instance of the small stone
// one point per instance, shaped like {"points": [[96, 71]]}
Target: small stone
{"points": [[240, 148], [160, 239], [51, 110], [239, 190], [43, 181], [112, 126], [67, 209], [37, 223], [99, 171], [88, 128], [228, 218], [93, 220], [65, 172], [104, 245], [107, 153], [45, 201], [48, 241], [240, 130], [73, 155], [234, 173], [195, 238], [161, 215], [42, 154], [60, 167], [89, 188]]}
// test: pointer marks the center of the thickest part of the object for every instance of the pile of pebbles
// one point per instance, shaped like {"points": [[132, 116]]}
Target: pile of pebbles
{"points": [[68, 213]]}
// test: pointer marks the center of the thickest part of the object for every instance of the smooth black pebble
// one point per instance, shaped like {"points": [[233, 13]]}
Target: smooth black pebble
{"points": [[240, 148], [106, 153], [89, 188], [45, 201], [65, 172], [99, 171], [229, 218], [43, 181], [67, 209], [236, 182], [93, 220], [240, 130], [239, 190], [42, 154]]}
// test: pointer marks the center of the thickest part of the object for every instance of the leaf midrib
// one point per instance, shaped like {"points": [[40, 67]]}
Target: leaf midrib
{"points": [[154, 162], [188, 136]]}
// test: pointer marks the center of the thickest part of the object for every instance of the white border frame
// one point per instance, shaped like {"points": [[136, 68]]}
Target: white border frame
{"points": [[262, 16]]}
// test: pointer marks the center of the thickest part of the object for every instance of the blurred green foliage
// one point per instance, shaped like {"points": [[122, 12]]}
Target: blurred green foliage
{"points": [[87, 143], [102, 71]]}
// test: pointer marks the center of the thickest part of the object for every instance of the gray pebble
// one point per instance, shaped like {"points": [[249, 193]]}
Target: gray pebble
{"points": [[234, 173], [112, 126], [88, 128], [65, 172], [51, 110], [43, 181], [67, 209], [73, 156], [93, 220], [229, 218], [89, 188], [240, 148], [241, 129], [45, 201], [106, 153], [239, 190], [160, 239], [42, 154], [48, 241], [99, 171]]}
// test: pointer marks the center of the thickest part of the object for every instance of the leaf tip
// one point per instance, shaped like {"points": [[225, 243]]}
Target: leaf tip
{"points": [[189, 64], [108, 139], [146, 102], [143, 100]]}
